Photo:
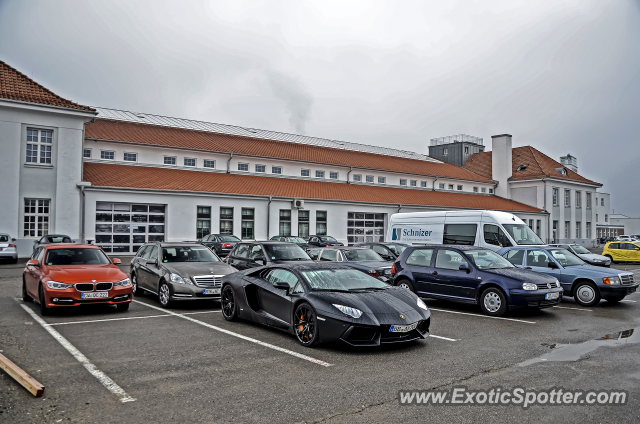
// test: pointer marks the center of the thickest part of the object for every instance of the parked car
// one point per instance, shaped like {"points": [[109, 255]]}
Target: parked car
{"points": [[255, 254], [388, 251], [50, 239], [584, 254], [178, 272], [297, 240], [360, 258], [323, 241], [325, 302], [475, 275], [221, 244], [624, 238], [604, 240], [69, 275], [8, 250], [586, 283], [622, 251]]}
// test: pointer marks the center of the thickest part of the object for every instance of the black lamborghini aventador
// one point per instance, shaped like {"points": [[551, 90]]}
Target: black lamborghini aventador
{"points": [[325, 302]]}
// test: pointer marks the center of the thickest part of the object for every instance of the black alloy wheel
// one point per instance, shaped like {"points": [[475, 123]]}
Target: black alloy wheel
{"points": [[25, 296], [228, 304], [136, 288], [44, 310], [305, 325]]}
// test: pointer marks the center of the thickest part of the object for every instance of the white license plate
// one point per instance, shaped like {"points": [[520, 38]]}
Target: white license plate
{"points": [[211, 291], [402, 328], [551, 296], [387, 271], [98, 295]]}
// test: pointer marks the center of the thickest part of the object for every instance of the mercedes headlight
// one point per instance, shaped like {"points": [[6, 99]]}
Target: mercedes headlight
{"points": [[611, 280], [123, 283], [529, 286], [58, 286], [175, 278], [347, 310], [422, 305]]}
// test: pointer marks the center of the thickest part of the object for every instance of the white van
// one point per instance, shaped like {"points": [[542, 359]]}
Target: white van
{"points": [[490, 229]]}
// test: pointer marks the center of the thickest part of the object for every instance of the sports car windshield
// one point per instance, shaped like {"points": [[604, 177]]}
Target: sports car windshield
{"points": [[565, 257], [580, 249], [341, 280], [522, 234], [77, 256], [188, 254], [286, 252], [357, 255], [488, 259]]}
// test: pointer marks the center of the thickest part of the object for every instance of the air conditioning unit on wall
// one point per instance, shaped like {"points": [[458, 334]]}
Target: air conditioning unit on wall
{"points": [[298, 204]]}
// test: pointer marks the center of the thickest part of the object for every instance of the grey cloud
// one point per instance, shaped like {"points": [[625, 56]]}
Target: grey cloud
{"points": [[297, 100]]}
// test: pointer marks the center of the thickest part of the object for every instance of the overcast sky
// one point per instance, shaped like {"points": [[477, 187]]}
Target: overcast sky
{"points": [[562, 76]]}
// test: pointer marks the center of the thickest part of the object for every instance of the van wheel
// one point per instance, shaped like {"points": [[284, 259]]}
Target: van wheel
{"points": [[493, 302], [406, 284], [586, 293]]}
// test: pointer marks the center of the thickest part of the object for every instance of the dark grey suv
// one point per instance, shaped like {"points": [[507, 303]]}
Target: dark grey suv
{"points": [[178, 271], [259, 253]]}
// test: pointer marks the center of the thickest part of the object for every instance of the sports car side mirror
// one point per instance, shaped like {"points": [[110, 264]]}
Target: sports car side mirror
{"points": [[282, 285], [553, 265], [33, 262], [464, 267], [116, 261]]}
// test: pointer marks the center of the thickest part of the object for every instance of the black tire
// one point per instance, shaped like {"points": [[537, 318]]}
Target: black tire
{"points": [[25, 296], [229, 304], [44, 311], [614, 299], [586, 293], [137, 291], [493, 302], [611, 258], [123, 307], [14, 261], [305, 325], [403, 282], [164, 295]]}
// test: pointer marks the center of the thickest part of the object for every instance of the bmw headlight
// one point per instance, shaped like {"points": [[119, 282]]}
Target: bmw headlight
{"points": [[611, 280], [175, 278], [347, 310], [123, 283], [422, 305], [529, 286], [58, 286]]}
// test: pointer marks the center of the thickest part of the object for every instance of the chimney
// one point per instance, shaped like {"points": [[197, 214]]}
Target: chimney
{"points": [[501, 163], [570, 162]]}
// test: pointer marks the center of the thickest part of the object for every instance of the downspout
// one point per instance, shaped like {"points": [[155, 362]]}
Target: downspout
{"points": [[82, 184], [434, 184], [549, 229], [348, 174], [399, 207], [229, 163], [268, 216]]}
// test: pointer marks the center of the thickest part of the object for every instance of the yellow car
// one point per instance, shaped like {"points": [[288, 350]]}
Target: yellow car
{"points": [[622, 251]]}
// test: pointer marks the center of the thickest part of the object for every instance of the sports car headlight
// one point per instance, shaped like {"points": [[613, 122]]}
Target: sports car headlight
{"points": [[58, 286], [422, 305], [529, 286], [175, 278], [122, 283], [611, 280], [347, 310]]}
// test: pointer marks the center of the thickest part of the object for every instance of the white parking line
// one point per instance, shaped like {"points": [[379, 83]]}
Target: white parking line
{"points": [[482, 316], [627, 300], [443, 338], [240, 336], [574, 309], [102, 377], [127, 318]]}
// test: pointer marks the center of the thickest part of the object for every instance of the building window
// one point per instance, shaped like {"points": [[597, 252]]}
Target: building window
{"points": [[369, 178], [423, 184], [602, 201], [39, 146], [226, 220], [460, 187], [189, 162], [578, 199], [382, 180], [124, 227], [567, 198], [567, 225], [203, 222], [319, 174], [475, 189], [483, 189], [490, 191], [36, 217], [333, 175], [413, 183], [243, 167], [588, 202], [86, 154], [303, 223], [365, 227], [321, 223], [578, 229], [538, 222], [596, 217], [403, 182], [276, 170], [588, 230], [555, 196], [285, 222], [555, 231], [169, 160], [130, 157], [357, 177], [247, 224], [450, 186], [441, 186], [466, 150], [606, 218], [445, 152], [209, 163], [261, 168], [305, 172], [108, 155], [531, 224]]}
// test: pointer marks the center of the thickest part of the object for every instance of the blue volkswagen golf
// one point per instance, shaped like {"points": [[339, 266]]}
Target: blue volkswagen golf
{"points": [[587, 284], [474, 275]]}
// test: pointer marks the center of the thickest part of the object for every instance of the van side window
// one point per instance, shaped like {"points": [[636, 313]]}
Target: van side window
{"points": [[515, 256], [494, 235], [464, 234]]}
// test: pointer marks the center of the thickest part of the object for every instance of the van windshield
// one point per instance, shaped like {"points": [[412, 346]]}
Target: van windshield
{"points": [[522, 234]]}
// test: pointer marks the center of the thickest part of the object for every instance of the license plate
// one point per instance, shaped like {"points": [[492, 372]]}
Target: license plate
{"points": [[387, 271], [551, 296], [211, 291], [98, 295], [402, 328]]}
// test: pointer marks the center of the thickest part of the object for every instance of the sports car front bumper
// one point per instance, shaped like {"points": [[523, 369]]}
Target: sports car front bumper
{"points": [[332, 330]]}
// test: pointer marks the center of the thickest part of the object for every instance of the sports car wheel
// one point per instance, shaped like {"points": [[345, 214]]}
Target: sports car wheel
{"points": [[136, 288], [43, 305], [25, 296], [586, 294], [406, 284], [228, 303], [305, 324], [493, 302], [164, 295]]}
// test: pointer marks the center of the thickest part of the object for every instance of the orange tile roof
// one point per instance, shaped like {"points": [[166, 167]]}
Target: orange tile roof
{"points": [[125, 176], [540, 166], [14, 85], [104, 129]]}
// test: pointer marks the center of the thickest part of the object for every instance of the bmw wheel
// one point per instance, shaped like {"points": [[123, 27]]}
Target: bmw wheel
{"points": [[44, 310], [136, 288], [228, 303], [164, 295], [493, 302], [25, 296], [586, 293], [406, 284], [305, 325]]}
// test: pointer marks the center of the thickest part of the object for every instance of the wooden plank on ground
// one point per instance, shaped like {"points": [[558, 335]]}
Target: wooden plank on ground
{"points": [[21, 376]]}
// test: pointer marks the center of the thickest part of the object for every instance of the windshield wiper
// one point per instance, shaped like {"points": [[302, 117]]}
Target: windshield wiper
{"points": [[367, 289], [332, 290]]}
